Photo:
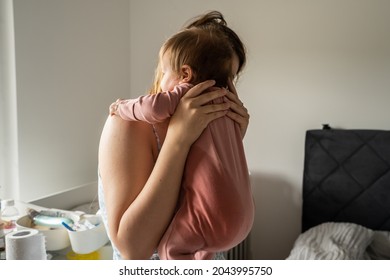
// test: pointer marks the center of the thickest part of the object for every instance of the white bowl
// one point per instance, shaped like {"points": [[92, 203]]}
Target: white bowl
{"points": [[56, 239]]}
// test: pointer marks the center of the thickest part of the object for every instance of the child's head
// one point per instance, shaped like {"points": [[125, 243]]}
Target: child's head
{"points": [[194, 55], [214, 20]]}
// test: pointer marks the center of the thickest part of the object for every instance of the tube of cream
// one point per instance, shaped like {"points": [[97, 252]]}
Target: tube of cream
{"points": [[48, 221]]}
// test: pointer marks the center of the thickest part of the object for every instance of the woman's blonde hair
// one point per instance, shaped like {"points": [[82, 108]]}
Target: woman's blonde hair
{"points": [[206, 51]]}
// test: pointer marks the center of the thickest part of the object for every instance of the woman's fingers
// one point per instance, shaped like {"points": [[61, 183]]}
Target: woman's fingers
{"points": [[242, 121], [193, 112], [238, 112], [239, 108], [209, 96], [231, 87], [199, 99], [199, 88]]}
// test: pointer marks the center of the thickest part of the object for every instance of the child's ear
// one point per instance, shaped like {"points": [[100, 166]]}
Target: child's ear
{"points": [[186, 74]]}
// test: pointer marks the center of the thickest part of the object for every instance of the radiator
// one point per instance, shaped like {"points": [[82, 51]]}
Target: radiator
{"points": [[240, 252]]}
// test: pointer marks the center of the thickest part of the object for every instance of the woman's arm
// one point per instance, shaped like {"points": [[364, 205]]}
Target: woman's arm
{"points": [[141, 192]]}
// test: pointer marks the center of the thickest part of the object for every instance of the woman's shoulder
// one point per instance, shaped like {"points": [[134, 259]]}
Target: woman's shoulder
{"points": [[119, 134], [117, 127]]}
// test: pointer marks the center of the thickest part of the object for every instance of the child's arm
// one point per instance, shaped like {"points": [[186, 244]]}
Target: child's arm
{"points": [[152, 108], [114, 107]]}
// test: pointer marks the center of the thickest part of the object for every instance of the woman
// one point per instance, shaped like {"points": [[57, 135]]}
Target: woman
{"points": [[141, 179]]}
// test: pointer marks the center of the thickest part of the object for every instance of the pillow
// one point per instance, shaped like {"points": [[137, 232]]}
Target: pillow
{"points": [[332, 241]]}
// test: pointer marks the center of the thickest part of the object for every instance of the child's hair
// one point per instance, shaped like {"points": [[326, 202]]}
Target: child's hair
{"points": [[207, 51], [215, 20]]}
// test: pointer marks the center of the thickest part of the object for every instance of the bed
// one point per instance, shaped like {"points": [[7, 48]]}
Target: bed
{"points": [[346, 195]]}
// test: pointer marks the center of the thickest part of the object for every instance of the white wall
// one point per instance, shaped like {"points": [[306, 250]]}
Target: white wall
{"points": [[309, 63], [8, 123], [72, 60]]}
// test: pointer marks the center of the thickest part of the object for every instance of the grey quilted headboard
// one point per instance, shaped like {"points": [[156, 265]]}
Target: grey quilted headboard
{"points": [[347, 178]]}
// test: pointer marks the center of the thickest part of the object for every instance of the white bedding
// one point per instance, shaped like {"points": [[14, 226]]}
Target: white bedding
{"points": [[341, 241]]}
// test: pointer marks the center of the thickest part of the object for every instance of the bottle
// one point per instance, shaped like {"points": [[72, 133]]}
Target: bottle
{"points": [[9, 215], [2, 237], [2, 223]]}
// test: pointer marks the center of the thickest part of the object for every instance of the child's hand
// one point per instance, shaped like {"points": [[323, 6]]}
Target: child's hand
{"points": [[114, 107]]}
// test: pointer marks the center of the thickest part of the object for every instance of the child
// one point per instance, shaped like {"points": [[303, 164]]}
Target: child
{"points": [[215, 208]]}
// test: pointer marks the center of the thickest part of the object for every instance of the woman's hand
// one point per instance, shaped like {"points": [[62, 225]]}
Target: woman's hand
{"points": [[237, 111], [193, 113]]}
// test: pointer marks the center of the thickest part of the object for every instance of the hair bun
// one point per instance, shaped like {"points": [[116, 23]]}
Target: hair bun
{"points": [[211, 18]]}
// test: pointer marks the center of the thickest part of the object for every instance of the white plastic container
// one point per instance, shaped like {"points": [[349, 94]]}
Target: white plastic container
{"points": [[89, 240]]}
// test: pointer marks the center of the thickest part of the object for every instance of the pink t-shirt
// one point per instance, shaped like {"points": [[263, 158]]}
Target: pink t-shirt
{"points": [[215, 208]]}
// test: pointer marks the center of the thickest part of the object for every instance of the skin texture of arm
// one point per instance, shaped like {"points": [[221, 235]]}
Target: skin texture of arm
{"points": [[141, 189], [139, 198]]}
